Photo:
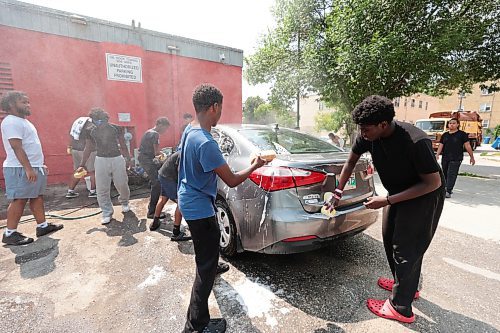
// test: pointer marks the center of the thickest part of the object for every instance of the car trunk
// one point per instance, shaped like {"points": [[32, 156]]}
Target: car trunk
{"points": [[359, 187]]}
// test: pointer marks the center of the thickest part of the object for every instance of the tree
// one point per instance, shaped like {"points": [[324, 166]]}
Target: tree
{"points": [[267, 113], [251, 103], [350, 49]]}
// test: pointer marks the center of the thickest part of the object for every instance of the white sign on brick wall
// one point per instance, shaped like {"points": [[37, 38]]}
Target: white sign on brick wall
{"points": [[123, 68]]}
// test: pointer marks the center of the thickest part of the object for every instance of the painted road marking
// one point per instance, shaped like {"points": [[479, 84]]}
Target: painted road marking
{"points": [[473, 269]]}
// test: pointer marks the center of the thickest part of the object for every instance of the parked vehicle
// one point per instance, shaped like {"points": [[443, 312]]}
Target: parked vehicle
{"points": [[437, 125], [278, 209]]}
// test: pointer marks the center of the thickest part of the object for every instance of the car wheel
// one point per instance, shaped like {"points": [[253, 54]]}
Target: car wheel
{"points": [[228, 235]]}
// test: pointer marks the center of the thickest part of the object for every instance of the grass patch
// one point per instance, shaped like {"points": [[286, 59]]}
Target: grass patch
{"points": [[469, 174], [490, 154]]}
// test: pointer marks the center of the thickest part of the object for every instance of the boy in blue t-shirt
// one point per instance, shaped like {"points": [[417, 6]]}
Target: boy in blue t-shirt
{"points": [[200, 163]]}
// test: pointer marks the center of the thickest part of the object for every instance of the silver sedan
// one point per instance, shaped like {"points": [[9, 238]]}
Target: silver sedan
{"points": [[278, 209]]}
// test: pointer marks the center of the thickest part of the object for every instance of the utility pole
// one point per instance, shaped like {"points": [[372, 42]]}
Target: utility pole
{"points": [[461, 95]]}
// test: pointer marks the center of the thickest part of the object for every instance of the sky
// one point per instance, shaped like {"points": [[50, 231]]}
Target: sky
{"points": [[233, 23]]}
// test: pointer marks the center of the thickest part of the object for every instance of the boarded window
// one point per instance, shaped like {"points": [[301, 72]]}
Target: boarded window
{"points": [[6, 82]]}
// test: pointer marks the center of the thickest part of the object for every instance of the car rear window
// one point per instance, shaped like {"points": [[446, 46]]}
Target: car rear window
{"points": [[285, 141]]}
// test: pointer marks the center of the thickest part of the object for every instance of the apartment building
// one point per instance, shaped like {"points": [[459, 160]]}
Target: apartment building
{"points": [[419, 106]]}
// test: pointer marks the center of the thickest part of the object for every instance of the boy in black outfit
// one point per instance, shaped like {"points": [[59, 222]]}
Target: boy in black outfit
{"points": [[167, 176], [452, 145], [404, 159], [149, 149]]}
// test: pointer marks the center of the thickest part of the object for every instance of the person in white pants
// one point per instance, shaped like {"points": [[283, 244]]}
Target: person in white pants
{"points": [[111, 163]]}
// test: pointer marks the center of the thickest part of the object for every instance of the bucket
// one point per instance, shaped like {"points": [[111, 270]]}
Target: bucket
{"points": [[87, 182]]}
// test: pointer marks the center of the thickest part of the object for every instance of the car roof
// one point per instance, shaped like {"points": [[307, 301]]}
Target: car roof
{"points": [[250, 126]]}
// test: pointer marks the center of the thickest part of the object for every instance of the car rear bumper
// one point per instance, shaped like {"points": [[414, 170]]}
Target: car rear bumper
{"points": [[345, 223]]}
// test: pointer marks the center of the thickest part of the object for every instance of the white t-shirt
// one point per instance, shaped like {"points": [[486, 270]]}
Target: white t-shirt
{"points": [[18, 128]]}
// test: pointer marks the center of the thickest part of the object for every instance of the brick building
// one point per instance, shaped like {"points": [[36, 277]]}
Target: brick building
{"points": [[69, 63]]}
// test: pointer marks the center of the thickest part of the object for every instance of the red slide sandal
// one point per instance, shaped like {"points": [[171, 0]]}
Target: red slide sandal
{"points": [[387, 284], [385, 310]]}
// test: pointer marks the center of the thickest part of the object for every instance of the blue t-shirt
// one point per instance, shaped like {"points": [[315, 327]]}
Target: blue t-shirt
{"points": [[197, 178]]}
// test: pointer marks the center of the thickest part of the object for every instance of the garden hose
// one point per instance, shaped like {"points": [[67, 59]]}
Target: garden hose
{"points": [[65, 217]]}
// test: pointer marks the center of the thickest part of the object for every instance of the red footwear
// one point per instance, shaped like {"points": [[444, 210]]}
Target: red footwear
{"points": [[388, 283], [385, 310]]}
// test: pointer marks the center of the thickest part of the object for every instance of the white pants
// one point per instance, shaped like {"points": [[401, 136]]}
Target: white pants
{"points": [[109, 169]]}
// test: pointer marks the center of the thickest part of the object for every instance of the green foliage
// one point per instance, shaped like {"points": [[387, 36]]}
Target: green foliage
{"points": [[251, 103], [267, 114], [346, 50], [494, 133]]}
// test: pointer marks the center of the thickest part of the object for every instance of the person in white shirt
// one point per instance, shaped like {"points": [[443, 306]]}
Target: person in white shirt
{"points": [[24, 170], [336, 140]]}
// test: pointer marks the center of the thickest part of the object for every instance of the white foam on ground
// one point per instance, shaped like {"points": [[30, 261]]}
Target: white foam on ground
{"points": [[256, 299], [155, 275]]}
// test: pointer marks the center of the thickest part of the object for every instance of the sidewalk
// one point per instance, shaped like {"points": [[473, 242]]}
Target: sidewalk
{"points": [[487, 162]]}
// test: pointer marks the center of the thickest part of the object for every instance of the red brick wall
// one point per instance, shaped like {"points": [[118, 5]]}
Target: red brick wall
{"points": [[65, 77]]}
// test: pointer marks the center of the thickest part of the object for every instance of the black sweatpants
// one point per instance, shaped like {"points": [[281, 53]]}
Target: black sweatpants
{"points": [[152, 170], [407, 229], [206, 236], [450, 170]]}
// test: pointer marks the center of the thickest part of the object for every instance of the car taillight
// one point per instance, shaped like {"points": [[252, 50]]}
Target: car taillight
{"points": [[370, 169], [280, 178], [368, 173], [299, 239]]}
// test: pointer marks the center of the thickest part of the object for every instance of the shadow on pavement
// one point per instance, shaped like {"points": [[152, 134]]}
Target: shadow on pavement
{"points": [[473, 191], [38, 258], [333, 284], [126, 229], [447, 321], [55, 201]]}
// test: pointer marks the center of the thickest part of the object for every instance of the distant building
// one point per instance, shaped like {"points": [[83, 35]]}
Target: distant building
{"points": [[310, 106], [69, 63], [419, 106]]}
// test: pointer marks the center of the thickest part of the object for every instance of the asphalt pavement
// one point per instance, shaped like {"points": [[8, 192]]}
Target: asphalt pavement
{"points": [[124, 278]]}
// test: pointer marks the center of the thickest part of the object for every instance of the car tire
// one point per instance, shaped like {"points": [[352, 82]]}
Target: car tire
{"points": [[229, 236]]}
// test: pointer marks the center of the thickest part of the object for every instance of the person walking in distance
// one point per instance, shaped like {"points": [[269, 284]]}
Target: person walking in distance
{"points": [[404, 159], [200, 163], [24, 170], [111, 162], [80, 131], [148, 150], [451, 145]]}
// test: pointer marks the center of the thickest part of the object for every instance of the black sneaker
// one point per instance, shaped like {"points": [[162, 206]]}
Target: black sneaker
{"points": [[162, 216], [447, 195], [71, 194], [217, 325], [155, 225], [48, 229], [92, 194], [16, 238], [181, 237], [222, 267]]}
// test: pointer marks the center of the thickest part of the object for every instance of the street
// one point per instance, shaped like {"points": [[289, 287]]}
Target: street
{"points": [[125, 278]]}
